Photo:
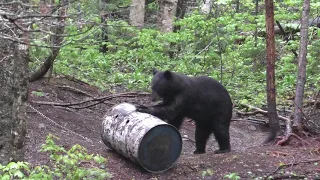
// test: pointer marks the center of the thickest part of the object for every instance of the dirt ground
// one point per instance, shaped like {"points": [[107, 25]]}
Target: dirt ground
{"points": [[248, 158]]}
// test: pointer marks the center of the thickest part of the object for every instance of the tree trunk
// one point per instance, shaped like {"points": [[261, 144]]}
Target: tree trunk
{"points": [[271, 90], [181, 11], [143, 138], [13, 96], [56, 41], [206, 6], [301, 80], [136, 16], [237, 6], [167, 13], [104, 26]]}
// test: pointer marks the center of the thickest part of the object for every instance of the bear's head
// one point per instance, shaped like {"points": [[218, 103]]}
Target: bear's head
{"points": [[165, 85]]}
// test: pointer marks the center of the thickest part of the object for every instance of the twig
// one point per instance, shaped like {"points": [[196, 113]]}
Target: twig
{"points": [[258, 110], [90, 105], [290, 164], [6, 58], [188, 139], [258, 121], [76, 90], [288, 176]]}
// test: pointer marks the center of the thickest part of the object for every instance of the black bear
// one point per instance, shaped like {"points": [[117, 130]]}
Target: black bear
{"points": [[201, 99]]}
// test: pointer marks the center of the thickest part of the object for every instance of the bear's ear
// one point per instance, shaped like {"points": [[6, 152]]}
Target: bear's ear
{"points": [[155, 71], [167, 74]]}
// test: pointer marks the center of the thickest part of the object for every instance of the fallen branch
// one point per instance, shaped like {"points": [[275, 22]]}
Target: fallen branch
{"points": [[258, 121], [100, 100], [76, 90], [277, 153], [290, 164], [288, 176], [260, 111]]}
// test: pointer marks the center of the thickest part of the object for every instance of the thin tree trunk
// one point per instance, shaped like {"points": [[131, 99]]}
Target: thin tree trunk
{"points": [[271, 90], [104, 27], [256, 22], [206, 6], [167, 13], [181, 11], [301, 80], [238, 6], [137, 11]]}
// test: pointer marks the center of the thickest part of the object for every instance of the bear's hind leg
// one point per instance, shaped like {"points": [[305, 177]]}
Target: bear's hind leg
{"points": [[202, 136], [221, 133]]}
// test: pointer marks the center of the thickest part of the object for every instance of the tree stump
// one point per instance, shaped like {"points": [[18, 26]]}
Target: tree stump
{"points": [[142, 138]]}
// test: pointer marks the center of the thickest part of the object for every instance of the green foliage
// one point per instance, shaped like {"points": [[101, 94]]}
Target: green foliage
{"points": [[65, 164], [232, 176], [208, 172], [221, 45], [38, 93]]}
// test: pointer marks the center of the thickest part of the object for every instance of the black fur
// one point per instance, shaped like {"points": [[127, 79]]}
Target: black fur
{"points": [[202, 99]]}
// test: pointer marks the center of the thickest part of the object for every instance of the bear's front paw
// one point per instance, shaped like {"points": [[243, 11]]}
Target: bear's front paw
{"points": [[142, 108]]}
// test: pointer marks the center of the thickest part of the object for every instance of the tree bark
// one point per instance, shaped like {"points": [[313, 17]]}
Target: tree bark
{"points": [[301, 80], [206, 6], [271, 90], [143, 138], [137, 11], [104, 26], [13, 96], [167, 13]]}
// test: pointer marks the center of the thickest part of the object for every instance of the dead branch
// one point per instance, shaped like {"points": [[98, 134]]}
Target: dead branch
{"points": [[314, 103], [186, 138], [260, 111], [277, 153], [315, 151], [285, 37], [93, 104], [76, 90], [288, 176], [100, 100], [258, 121], [246, 113], [291, 164]]}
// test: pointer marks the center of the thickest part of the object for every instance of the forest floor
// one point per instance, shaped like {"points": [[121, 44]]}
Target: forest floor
{"points": [[248, 158]]}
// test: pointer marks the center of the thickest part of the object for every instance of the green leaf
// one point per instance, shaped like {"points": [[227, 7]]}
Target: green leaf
{"points": [[18, 174], [38, 93]]}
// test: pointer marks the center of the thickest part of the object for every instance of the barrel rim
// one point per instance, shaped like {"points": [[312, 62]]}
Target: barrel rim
{"points": [[175, 161]]}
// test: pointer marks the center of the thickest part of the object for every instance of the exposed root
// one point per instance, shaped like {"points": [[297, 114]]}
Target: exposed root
{"points": [[286, 139]]}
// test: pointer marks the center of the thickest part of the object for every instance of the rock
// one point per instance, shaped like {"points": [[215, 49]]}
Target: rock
{"points": [[252, 128]]}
